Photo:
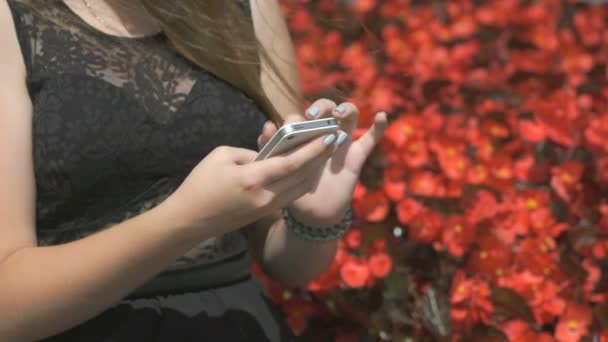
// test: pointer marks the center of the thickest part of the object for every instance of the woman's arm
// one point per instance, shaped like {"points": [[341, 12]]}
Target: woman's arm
{"points": [[283, 255], [45, 290]]}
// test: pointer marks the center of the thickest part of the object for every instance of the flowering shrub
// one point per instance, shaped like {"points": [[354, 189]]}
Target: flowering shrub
{"points": [[483, 216]]}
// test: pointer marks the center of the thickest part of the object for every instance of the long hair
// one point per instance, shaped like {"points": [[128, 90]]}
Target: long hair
{"points": [[218, 36]]}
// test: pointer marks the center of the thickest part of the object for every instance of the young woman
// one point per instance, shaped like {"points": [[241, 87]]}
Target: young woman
{"points": [[129, 204]]}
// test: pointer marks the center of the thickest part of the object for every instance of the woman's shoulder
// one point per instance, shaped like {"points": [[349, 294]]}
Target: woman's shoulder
{"points": [[9, 35], [29, 10], [25, 6]]}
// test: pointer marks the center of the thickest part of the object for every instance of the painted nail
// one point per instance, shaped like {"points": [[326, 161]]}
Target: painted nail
{"points": [[330, 139], [341, 108], [313, 111], [342, 138]]}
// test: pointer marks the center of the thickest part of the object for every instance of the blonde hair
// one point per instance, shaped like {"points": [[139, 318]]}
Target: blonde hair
{"points": [[215, 35], [218, 36]]}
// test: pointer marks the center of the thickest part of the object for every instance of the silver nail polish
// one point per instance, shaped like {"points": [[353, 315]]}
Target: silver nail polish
{"points": [[341, 109], [313, 111], [342, 138], [329, 139]]}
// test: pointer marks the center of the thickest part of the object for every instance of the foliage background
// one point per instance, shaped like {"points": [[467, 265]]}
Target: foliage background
{"points": [[483, 215]]}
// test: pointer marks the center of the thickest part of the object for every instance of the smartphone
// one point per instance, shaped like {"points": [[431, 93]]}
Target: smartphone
{"points": [[296, 134]]}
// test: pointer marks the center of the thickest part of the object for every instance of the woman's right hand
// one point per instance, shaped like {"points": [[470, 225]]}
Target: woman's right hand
{"points": [[227, 190]]}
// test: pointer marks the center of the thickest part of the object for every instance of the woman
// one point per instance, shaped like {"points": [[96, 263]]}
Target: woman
{"points": [[129, 204]]}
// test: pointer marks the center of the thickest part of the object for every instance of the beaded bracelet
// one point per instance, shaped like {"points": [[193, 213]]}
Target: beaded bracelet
{"points": [[318, 233]]}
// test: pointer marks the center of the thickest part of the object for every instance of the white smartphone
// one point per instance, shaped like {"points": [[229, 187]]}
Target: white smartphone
{"points": [[295, 134]]}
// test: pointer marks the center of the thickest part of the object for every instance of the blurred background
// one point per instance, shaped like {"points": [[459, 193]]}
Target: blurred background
{"points": [[483, 214]]}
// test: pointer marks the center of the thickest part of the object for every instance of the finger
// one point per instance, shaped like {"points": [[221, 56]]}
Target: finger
{"points": [[300, 189], [287, 184], [293, 118], [343, 140], [320, 108], [237, 155], [305, 183], [286, 164], [372, 136], [348, 116], [268, 131]]}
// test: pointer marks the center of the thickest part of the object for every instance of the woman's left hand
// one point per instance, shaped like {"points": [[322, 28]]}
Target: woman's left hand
{"points": [[326, 204]]}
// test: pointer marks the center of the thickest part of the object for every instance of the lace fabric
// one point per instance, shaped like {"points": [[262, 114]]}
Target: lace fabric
{"points": [[118, 123]]}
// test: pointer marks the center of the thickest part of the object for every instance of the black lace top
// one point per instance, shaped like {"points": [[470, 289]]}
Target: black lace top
{"points": [[117, 125]]}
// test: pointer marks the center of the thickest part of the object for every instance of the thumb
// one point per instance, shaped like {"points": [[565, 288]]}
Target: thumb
{"points": [[268, 131], [241, 156], [373, 135]]}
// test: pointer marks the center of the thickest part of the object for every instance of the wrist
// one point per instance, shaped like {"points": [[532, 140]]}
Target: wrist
{"points": [[174, 213], [318, 233], [325, 220]]}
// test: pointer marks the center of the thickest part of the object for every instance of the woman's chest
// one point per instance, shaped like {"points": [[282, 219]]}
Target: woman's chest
{"points": [[88, 131]]}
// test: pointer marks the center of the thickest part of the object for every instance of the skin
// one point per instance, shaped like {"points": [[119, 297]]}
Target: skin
{"points": [[278, 249], [81, 279]]}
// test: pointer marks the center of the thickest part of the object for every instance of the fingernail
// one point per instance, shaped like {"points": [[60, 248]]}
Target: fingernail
{"points": [[329, 139], [341, 109], [341, 138], [313, 111]]}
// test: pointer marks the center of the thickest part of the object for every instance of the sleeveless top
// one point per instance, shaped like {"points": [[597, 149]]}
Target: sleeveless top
{"points": [[118, 123]]}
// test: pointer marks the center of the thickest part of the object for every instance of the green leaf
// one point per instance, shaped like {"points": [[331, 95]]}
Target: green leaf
{"points": [[601, 313], [602, 284], [435, 313], [584, 233], [571, 266], [484, 333], [396, 286], [509, 303]]}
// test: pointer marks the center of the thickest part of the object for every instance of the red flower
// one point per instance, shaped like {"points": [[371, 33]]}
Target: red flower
{"points": [[394, 184], [534, 255], [380, 264], [408, 209], [363, 6], [373, 207], [498, 124], [331, 278], [355, 273], [510, 225], [469, 299], [532, 131], [298, 313], [495, 129], [546, 302], [425, 227], [402, 129], [415, 153], [566, 179], [477, 174], [491, 257], [426, 184], [353, 238], [574, 323], [458, 235], [301, 20], [596, 133], [484, 207], [521, 331], [543, 224]]}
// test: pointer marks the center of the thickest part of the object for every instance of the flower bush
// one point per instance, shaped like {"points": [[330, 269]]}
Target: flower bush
{"points": [[483, 214]]}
